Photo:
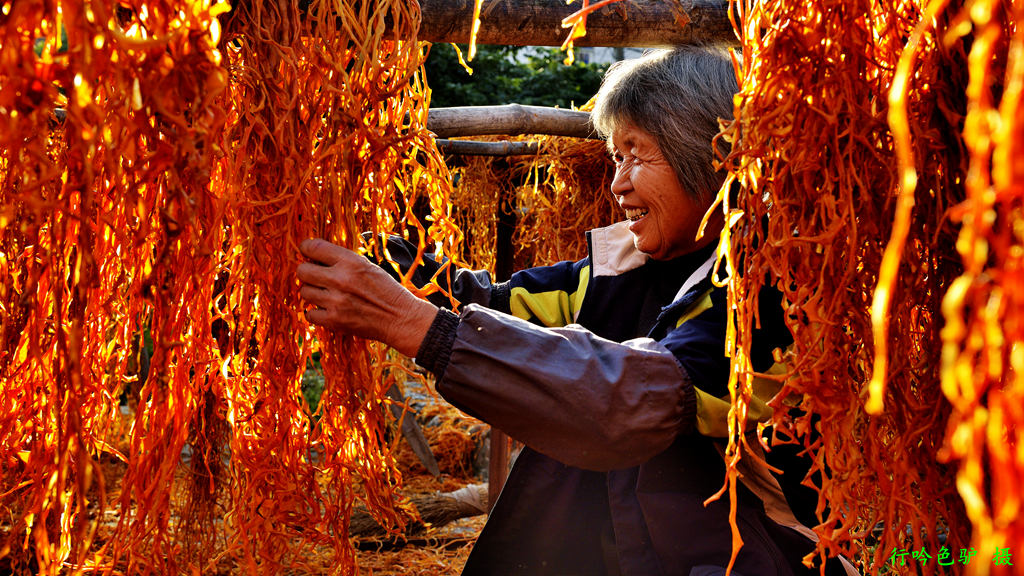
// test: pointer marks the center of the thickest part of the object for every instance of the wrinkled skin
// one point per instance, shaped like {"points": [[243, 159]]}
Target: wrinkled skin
{"points": [[352, 295], [664, 217]]}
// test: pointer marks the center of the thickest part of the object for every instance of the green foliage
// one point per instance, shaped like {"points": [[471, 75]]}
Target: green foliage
{"points": [[313, 383], [510, 74]]}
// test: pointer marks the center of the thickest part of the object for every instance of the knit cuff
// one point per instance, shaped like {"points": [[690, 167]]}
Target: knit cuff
{"points": [[436, 348], [501, 296]]}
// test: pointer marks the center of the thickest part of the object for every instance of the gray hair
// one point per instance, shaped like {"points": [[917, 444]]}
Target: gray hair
{"points": [[677, 95]]}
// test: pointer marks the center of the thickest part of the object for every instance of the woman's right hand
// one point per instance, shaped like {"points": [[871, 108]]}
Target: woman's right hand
{"points": [[347, 293]]}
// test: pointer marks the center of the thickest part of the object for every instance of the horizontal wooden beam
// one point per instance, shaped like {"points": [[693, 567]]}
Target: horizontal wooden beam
{"points": [[479, 148], [508, 120], [630, 23]]}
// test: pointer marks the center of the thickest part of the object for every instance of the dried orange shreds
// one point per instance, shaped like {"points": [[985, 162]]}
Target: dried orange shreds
{"points": [[147, 248], [818, 169], [552, 197], [983, 338]]}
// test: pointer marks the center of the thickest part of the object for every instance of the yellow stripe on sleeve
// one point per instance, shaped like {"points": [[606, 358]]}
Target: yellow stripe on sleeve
{"points": [[553, 309], [581, 290]]}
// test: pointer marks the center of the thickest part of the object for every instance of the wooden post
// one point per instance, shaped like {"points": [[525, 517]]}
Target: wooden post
{"points": [[497, 467], [504, 265]]}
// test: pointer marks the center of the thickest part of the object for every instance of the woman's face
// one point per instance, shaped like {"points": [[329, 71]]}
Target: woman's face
{"points": [[664, 218]]}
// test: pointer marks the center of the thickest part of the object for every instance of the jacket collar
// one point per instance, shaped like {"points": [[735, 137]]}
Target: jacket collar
{"points": [[612, 251]]}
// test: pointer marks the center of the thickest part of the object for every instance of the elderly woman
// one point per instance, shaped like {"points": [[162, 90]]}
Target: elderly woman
{"points": [[610, 370]]}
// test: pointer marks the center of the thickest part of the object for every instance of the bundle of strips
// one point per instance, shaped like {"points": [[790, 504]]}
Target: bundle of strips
{"points": [[568, 194], [166, 206], [551, 198], [865, 132], [850, 151], [983, 340]]}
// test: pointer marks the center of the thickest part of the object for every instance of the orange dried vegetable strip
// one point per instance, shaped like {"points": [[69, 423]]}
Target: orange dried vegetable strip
{"points": [[29, 184], [170, 116], [817, 168], [477, 204], [899, 124], [342, 148], [134, 213], [474, 29], [560, 192], [577, 25], [80, 229], [982, 360], [570, 194]]}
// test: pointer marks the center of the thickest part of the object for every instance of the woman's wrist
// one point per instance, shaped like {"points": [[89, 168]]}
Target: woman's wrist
{"points": [[413, 328]]}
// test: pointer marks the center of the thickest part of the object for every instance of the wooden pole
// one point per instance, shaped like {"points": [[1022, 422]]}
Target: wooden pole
{"points": [[509, 120], [504, 266], [629, 23], [634, 23], [497, 466], [476, 148]]}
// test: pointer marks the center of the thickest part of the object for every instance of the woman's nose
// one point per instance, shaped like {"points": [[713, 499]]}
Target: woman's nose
{"points": [[621, 183]]}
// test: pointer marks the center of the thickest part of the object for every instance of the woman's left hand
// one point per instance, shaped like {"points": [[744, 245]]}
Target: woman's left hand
{"points": [[350, 294]]}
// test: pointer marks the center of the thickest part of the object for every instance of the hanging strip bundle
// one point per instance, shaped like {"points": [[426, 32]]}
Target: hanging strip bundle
{"points": [[983, 340], [555, 195], [852, 150], [573, 197], [476, 207], [163, 210]]}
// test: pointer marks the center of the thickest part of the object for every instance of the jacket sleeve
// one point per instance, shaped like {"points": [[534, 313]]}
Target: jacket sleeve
{"points": [[581, 399], [546, 295], [698, 344], [466, 286]]}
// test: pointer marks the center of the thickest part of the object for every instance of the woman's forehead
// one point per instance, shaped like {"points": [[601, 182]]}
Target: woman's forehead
{"points": [[628, 135]]}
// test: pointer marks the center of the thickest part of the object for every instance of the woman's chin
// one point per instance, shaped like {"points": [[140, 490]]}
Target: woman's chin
{"points": [[643, 246]]}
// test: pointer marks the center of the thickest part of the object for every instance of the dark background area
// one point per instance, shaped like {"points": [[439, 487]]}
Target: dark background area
{"points": [[510, 74]]}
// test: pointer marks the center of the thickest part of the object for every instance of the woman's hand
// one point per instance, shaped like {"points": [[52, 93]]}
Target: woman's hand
{"points": [[350, 294]]}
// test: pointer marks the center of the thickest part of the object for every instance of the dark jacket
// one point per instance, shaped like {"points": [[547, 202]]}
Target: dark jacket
{"points": [[612, 372]]}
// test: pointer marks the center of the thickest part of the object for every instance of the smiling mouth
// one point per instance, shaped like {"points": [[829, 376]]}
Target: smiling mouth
{"points": [[634, 214]]}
